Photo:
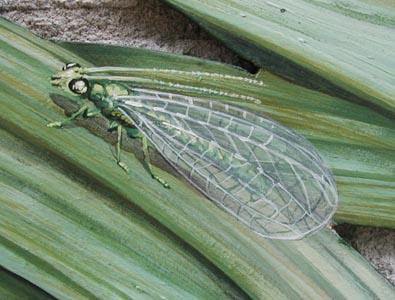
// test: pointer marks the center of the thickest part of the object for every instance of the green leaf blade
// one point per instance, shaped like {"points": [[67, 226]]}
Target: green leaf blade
{"points": [[346, 50]]}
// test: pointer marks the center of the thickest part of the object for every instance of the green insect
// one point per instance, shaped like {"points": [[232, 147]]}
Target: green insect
{"points": [[263, 173]]}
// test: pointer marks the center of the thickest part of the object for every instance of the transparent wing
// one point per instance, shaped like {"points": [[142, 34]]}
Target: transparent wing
{"points": [[266, 175]]}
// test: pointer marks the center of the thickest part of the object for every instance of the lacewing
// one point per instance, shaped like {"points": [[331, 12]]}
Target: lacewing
{"points": [[266, 175]]}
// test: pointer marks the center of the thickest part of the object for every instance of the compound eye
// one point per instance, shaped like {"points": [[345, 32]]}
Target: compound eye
{"points": [[79, 86], [70, 65]]}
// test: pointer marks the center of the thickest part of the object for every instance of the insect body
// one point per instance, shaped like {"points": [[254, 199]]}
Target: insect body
{"points": [[266, 175]]}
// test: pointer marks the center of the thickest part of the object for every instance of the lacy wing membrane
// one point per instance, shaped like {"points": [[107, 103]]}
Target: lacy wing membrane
{"points": [[266, 175]]}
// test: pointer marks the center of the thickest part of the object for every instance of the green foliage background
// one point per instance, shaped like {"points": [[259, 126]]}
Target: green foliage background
{"points": [[74, 225]]}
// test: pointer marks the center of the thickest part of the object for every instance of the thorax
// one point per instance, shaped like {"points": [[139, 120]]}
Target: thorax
{"points": [[104, 97]]}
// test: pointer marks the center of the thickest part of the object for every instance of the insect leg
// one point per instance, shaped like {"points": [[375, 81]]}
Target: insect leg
{"points": [[148, 163], [88, 110], [118, 149]]}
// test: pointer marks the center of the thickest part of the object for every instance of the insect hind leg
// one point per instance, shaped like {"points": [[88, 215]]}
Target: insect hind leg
{"points": [[118, 148], [134, 133], [148, 164]]}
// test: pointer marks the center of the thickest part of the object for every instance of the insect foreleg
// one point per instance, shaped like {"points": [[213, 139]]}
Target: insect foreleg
{"points": [[148, 163], [88, 110]]}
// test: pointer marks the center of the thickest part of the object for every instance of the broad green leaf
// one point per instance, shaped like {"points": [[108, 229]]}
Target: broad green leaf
{"points": [[346, 45], [357, 143]]}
